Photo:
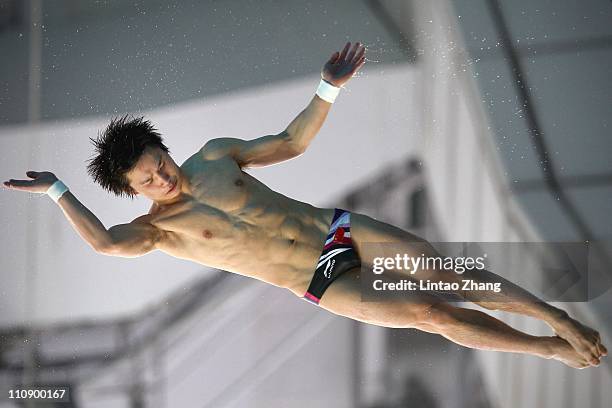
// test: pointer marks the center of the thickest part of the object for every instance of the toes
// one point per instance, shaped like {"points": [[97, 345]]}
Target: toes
{"points": [[593, 356], [598, 350], [584, 363], [601, 350]]}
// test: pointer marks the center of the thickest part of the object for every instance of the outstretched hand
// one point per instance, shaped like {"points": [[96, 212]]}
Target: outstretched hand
{"points": [[40, 183], [343, 65]]}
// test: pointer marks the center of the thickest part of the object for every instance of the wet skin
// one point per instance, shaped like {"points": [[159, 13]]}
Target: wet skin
{"points": [[219, 215], [211, 211]]}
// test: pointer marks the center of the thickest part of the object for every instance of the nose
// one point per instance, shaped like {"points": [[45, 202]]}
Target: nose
{"points": [[165, 178]]}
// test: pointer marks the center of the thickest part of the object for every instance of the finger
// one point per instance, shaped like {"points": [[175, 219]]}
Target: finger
{"points": [[351, 54], [358, 65], [32, 174], [344, 51], [603, 349], [18, 183], [359, 54], [334, 57]]}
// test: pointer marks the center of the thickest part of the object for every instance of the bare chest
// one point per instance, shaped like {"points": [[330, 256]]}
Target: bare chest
{"points": [[219, 183], [224, 210]]}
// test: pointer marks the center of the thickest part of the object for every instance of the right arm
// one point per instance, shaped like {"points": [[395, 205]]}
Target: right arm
{"points": [[127, 240], [130, 240]]}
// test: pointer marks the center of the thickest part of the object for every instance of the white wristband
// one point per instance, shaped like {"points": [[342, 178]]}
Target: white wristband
{"points": [[56, 190], [327, 91]]}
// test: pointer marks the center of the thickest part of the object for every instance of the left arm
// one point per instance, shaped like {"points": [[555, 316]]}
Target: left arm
{"points": [[294, 140], [271, 149]]}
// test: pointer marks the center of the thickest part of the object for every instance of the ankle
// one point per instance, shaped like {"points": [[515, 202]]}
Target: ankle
{"points": [[557, 316], [550, 347]]}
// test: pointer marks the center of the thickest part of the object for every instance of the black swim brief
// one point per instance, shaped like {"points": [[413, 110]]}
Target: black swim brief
{"points": [[337, 257]]}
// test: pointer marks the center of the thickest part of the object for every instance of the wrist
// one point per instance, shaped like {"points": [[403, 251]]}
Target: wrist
{"points": [[332, 83], [57, 190], [327, 91]]}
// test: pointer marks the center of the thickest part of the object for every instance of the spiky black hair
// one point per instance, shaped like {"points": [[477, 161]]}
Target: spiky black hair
{"points": [[118, 148]]}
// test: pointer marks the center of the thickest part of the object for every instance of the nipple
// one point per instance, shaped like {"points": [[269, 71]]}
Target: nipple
{"points": [[207, 234], [239, 182]]}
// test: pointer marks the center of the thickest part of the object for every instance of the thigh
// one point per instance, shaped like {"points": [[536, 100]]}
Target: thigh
{"points": [[374, 230], [343, 297], [376, 239], [367, 231]]}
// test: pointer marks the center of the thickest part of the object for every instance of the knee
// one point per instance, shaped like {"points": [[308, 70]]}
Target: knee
{"points": [[417, 314], [435, 314]]}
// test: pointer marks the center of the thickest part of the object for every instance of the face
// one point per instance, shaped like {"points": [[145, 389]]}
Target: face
{"points": [[156, 176]]}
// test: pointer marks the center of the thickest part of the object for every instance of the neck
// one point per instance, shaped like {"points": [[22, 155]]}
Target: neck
{"points": [[165, 203]]}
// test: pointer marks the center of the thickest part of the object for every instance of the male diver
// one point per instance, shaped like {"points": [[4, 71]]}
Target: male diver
{"points": [[210, 211]]}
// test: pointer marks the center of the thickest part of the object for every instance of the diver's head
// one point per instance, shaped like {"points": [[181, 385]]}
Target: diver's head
{"points": [[132, 159]]}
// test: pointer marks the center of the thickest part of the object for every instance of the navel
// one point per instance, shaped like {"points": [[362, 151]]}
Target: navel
{"points": [[207, 234]]}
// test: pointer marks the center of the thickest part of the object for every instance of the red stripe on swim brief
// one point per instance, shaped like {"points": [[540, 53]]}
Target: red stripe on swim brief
{"points": [[312, 297]]}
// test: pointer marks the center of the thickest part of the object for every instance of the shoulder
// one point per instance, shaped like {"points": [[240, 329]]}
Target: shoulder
{"points": [[148, 217], [146, 226], [219, 147]]}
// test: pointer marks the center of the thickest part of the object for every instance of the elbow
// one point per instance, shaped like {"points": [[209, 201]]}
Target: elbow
{"points": [[295, 143], [106, 248], [295, 151], [116, 250]]}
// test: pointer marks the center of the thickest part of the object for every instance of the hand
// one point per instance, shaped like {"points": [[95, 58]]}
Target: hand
{"points": [[40, 183], [342, 65]]}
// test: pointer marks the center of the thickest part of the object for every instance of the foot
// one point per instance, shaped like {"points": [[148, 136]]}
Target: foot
{"points": [[583, 339], [562, 351]]}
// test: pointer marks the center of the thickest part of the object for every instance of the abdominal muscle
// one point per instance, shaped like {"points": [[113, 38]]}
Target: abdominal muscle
{"points": [[280, 245]]}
